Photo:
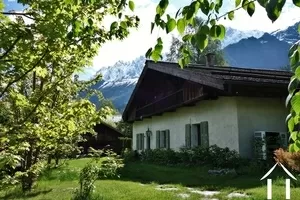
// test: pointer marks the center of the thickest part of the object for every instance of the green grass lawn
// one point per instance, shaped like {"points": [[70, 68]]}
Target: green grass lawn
{"points": [[139, 181]]}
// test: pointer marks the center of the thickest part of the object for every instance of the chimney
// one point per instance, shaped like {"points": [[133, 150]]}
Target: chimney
{"points": [[210, 57]]}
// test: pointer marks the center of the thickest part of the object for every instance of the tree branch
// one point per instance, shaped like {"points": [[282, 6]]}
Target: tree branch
{"points": [[11, 47], [225, 14], [22, 76], [19, 14]]}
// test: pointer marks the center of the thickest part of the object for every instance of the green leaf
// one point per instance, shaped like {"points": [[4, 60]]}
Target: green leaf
{"points": [[290, 123], [212, 22], [123, 25], [205, 7], [263, 3], [295, 102], [288, 99], [245, 4], [114, 25], [204, 29], [296, 2], [274, 8], [291, 148], [70, 35], [190, 13], [187, 37], [217, 32], [152, 27], [181, 25], [222, 32], [155, 56], [171, 24], [212, 6], [159, 41], [131, 5], [294, 82], [90, 21], [294, 135], [177, 13], [42, 72], [237, 2], [193, 40], [148, 53], [299, 28], [296, 146], [251, 8], [293, 48], [162, 6], [219, 4], [231, 15], [294, 59], [181, 63], [297, 73], [168, 17], [202, 41]]}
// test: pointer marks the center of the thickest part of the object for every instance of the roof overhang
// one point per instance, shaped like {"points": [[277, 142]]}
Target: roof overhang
{"points": [[168, 68]]}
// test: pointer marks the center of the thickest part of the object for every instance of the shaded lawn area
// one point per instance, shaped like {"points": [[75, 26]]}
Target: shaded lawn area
{"points": [[139, 180]]}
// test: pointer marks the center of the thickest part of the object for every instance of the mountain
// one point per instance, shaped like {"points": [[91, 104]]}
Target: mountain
{"points": [[264, 52], [289, 35], [118, 81], [268, 51], [252, 49], [234, 35]]}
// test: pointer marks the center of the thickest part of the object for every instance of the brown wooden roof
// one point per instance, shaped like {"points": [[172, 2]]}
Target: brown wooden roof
{"points": [[216, 77]]}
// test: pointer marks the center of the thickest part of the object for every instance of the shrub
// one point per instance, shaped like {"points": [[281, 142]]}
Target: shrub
{"points": [[94, 170], [130, 155], [213, 156]]}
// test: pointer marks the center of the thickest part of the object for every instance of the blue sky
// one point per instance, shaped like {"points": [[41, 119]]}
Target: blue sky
{"points": [[140, 40]]}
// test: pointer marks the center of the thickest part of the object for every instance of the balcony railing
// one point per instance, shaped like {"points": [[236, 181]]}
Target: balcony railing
{"points": [[172, 100]]}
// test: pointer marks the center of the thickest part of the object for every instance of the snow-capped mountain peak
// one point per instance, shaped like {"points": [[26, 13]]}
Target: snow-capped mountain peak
{"points": [[122, 72]]}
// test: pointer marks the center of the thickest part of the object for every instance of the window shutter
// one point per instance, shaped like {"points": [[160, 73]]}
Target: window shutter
{"points": [[168, 139], [157, 139], [188, 136], [137, 141], [194, 136], [162, 139], [204, 134], [142, 141]]}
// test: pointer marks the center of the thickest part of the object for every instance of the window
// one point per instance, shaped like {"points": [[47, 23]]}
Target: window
{"points": [[140, 141], [163, 139], [196, 135]]}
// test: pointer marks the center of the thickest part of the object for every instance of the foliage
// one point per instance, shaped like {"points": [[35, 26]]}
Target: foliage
{"points": [[197, 56], [212, 28], [213, 156], [129, 155], [41, 109], [95, 170], [125, 128]]}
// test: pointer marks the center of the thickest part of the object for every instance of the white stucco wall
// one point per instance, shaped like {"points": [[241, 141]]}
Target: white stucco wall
{"points": [[258, 114], [221, 115]]}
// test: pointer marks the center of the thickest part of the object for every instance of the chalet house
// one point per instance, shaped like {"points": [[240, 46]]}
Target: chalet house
{"points": [[205, 105], [107, 137]]}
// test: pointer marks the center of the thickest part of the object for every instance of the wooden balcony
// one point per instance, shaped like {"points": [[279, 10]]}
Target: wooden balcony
{"points": [[169, 102]]}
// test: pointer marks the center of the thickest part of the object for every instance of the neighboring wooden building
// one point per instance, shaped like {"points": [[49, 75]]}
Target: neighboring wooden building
{"points": [[108, 137], [205, 105]]}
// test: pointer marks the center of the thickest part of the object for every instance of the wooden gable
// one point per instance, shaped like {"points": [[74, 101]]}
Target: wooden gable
{"points": [[163, 86]]}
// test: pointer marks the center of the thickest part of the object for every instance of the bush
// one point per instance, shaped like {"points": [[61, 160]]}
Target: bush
{"points": [[129, 155], [213, 156], [97, 169]]}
